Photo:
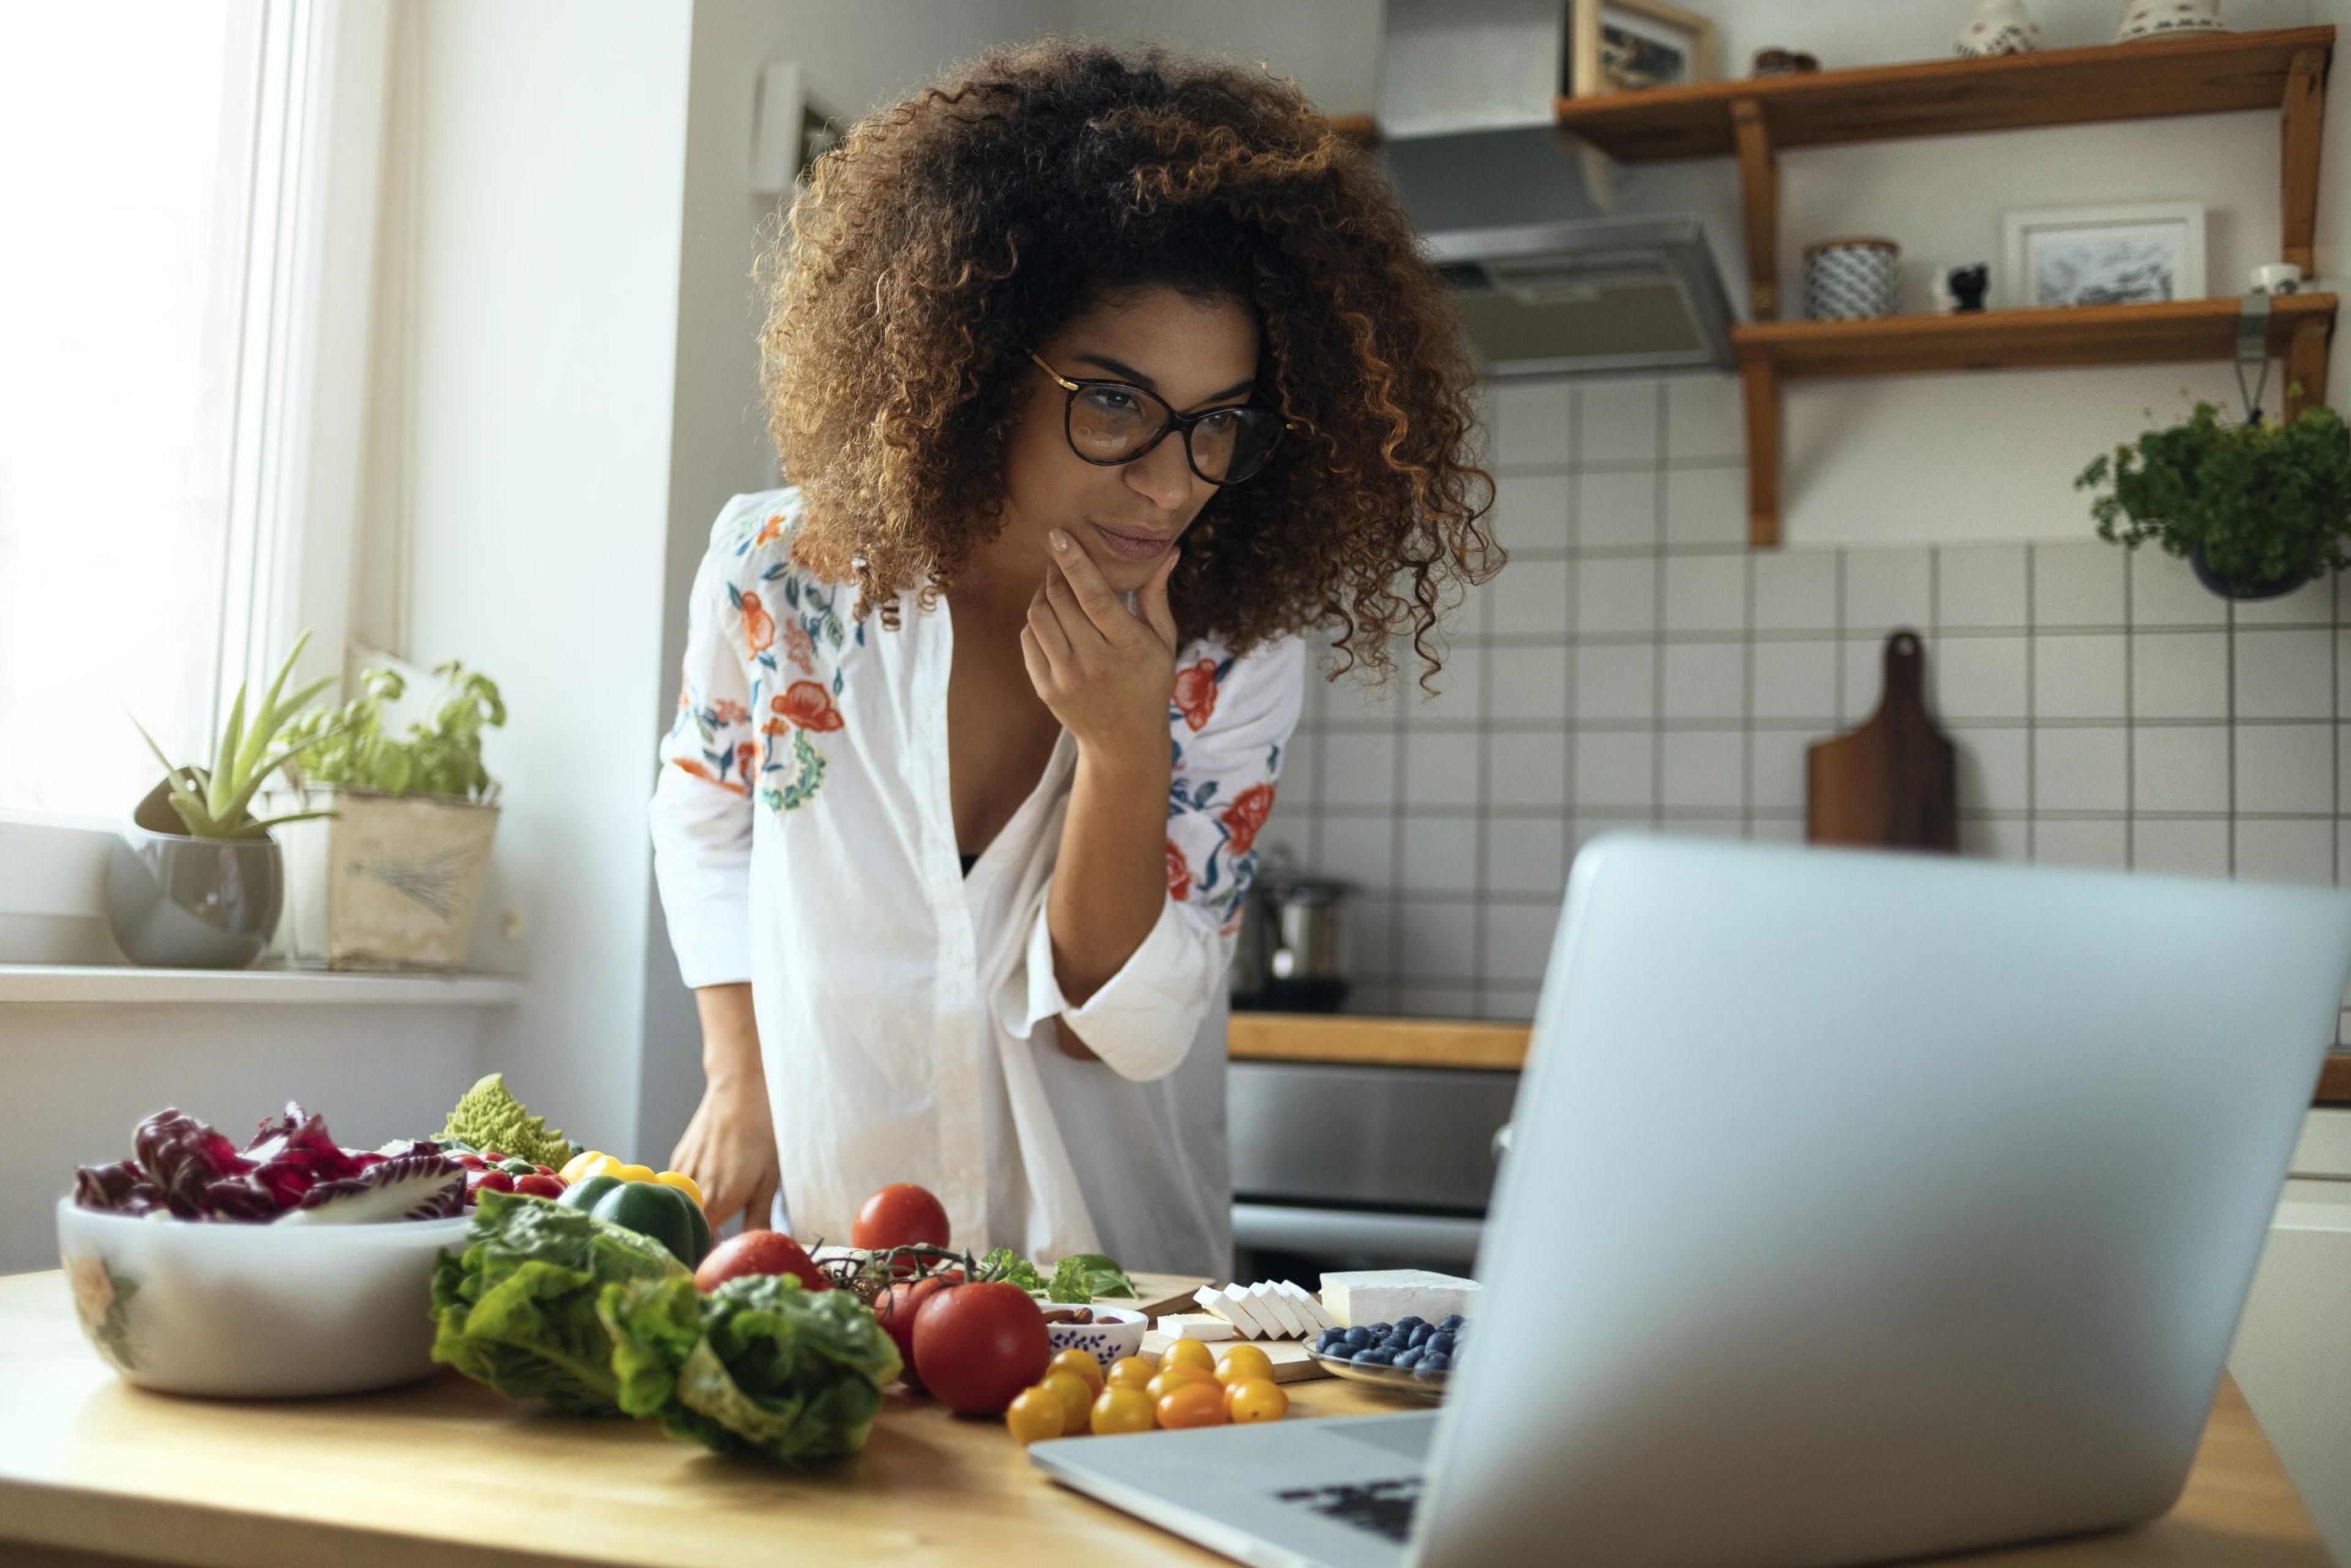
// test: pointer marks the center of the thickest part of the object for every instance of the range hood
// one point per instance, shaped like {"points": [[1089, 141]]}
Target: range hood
{"points": [[1561, 261]]}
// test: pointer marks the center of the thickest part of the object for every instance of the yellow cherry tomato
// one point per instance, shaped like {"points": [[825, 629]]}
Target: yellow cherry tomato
{"points": [[1130, 1372], [630, 1173], [1191, 1404], [1076, 1395], [1242, 1363], [1034, 1415], [1080, 1363], [1171, 1378], [1256, 1399], [1121, 1409], [683, 1183], [1188, 1353]]}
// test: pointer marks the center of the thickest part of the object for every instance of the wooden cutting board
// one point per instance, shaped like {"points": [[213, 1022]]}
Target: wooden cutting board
{"points": [[1893, 783], [1290, 1362]]}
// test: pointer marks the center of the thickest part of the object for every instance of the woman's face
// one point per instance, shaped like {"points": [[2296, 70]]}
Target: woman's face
{"points": [[1196, 354]]}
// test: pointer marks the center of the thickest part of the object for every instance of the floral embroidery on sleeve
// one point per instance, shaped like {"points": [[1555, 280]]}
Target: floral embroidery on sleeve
{"points": [[1179, 874], [1195, 692], [1207, 808]]}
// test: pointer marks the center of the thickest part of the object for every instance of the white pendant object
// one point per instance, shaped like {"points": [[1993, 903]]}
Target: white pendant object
{"points": [[2000, 28], [2154, 18]]}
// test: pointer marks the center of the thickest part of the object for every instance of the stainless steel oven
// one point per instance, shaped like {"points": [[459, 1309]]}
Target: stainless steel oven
{"points": [[1351, 1166]]}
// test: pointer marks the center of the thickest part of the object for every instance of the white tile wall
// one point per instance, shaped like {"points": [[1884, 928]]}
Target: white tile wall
{"points": [[1636, 665]]}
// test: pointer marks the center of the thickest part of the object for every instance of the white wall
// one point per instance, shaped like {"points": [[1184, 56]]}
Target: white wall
{"points": [[548, 143], [1331, 46]]}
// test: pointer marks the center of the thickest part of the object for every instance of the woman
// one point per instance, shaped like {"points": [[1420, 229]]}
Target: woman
{"points": [[1099, 379]]}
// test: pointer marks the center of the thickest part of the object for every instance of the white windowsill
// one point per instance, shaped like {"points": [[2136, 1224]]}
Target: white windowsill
{"points": [[128, 983]]}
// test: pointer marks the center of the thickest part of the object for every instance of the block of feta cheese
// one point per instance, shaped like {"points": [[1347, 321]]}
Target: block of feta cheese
{"points": [[1194, 1325], [1385, 1295], [1267, 1300], [1232, 1304], [1308, 1310]]}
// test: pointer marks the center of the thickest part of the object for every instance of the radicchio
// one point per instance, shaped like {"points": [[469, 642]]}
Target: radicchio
{"points": [[293, 1167]]}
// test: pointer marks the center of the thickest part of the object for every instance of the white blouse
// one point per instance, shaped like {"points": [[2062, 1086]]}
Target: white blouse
{"points": [[804, 840]]}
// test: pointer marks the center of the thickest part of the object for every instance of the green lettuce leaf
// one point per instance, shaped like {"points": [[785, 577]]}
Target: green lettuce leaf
{"points": [[1016, 1269], [776, 1370], [517, 1309], [1082, 1276]]}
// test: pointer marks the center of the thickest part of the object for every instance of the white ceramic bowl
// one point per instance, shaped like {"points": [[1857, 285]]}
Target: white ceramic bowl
{"points": [[1114, 1333], [255, 1311]]}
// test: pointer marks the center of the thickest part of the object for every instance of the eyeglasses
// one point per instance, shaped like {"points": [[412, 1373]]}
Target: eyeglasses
{"points": [[1110, 422]]}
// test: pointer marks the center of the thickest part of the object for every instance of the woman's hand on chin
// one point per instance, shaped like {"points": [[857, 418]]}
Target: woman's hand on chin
{"points": [[1103, 670]]}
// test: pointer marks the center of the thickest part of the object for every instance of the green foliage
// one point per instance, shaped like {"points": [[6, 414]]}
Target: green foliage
{"points": [[349, 747], [215, 803], [2264, 503], [762, 1366], [517, 1309]]}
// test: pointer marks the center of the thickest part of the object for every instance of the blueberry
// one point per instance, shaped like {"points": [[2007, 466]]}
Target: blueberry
{"points": [[1375, 1358], [1450, 1323], [1328, 1338], [1407, 1358], [1421, 1332], [1358, 1338], [1434, 1361], [1382, 1331], [1396, 1341], [1409, 1322]]}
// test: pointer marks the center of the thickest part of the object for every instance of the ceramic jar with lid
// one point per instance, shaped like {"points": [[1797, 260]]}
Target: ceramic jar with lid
{"points": [[1855, 278]]}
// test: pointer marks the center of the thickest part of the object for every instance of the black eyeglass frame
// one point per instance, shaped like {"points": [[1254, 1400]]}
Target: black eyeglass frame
{"points": [[1184, 422]]}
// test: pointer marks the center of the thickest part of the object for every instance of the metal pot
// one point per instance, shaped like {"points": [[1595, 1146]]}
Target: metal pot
{"points": [[1290, 954]]}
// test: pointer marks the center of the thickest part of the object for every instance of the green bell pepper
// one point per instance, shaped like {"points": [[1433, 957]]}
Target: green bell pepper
{"points": [[667, 1214]]}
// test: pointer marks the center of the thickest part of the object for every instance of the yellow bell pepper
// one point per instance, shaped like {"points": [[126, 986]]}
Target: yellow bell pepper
{"points": [[683, 1182], [586, 1163], [630, 1172]]}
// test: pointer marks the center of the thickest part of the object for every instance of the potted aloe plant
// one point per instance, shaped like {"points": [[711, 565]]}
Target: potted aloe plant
{"points": [[391, 875], [194, 880], [2257, 509]]}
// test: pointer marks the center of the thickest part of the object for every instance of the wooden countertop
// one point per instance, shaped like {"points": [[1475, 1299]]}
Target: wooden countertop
{"points": [[1354, 1040], [449, 1474]]}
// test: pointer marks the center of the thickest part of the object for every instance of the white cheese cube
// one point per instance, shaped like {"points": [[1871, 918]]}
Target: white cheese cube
{"points": [[1247, 1316], [1196, 1325], [1305, 1307], [1267, 1300], [1385, 1295], [1234, 1313]]}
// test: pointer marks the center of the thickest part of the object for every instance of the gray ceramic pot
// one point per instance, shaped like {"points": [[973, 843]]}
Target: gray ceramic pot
{"points": [[181, 902]]}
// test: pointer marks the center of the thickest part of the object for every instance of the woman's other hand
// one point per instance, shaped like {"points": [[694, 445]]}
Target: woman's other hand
{"points": [[729, 1146], [1103, 670]]}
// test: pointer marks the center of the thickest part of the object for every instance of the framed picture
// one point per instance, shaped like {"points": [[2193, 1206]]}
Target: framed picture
{"points": [[2104, 255], [1624, 45]]}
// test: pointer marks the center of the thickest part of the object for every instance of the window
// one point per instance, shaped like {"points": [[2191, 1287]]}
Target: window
{"points": [[148, 157]]}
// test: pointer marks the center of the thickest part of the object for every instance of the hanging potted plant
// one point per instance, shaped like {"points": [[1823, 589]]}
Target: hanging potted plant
{"points": [[2257, 509], [394, 879], [194, 880]]}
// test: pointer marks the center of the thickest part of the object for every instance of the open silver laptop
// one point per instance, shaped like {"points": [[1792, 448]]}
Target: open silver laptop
{"points": [[1860, 1206]]}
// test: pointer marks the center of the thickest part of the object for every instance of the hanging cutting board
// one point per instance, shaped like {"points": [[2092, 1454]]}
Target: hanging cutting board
{"points": [[1893, 783]]}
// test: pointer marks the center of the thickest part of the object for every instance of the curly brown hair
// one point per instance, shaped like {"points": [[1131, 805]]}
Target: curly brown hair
{"points": [[948, 234]]}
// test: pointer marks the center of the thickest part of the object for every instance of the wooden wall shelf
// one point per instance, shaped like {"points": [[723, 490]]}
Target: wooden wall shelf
{"points": [[2177, 330], [2209, 73]]}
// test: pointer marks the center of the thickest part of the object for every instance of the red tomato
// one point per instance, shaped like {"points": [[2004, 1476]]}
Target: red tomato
{"points": [[492, 1181], [976, 1346], [896, 1309], [901, 1215], [758, 1253], [539, 1185]]}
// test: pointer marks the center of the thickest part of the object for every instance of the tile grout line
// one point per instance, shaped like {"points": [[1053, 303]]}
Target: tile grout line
{"points": [[2031, 718], [2130, 726], [2228, 708], [1657, 434]]}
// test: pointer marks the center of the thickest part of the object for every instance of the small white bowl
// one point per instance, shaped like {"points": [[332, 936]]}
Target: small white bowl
{"points": [[255, 1311], [1114, 1333]]}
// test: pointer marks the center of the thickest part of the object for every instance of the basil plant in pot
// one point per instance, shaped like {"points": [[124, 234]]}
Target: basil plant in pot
{"points": [[2257, 509], [195, 880], [389, 875]]}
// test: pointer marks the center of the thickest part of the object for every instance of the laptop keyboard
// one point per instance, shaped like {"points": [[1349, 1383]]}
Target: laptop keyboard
{"points": [[1382, 1507]]}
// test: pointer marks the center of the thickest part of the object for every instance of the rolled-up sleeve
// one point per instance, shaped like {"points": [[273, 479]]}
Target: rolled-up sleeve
{"points": [[1229, 724], [701, 810]]}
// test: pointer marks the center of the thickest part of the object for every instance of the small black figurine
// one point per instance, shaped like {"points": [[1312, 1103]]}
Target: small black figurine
{"points": [[1967, 284]]}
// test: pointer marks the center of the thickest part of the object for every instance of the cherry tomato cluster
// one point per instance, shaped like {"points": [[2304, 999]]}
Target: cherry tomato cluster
{"points": [[491, 1171], [1190, 1386]]}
